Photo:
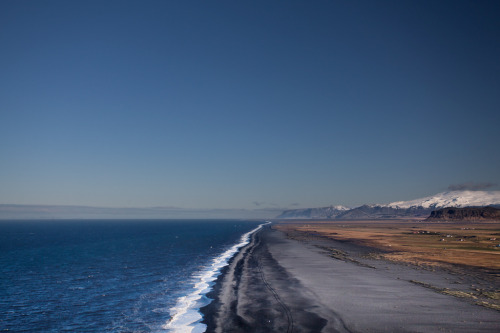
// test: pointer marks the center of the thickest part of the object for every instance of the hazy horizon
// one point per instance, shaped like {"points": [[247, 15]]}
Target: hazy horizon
{"points": [[75, 212], [69, 212]]}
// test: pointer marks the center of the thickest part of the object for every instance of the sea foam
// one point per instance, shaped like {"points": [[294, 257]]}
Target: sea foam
{"points": [[185, 315]]}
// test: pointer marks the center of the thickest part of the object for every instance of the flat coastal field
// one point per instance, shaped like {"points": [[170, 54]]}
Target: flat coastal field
{"points": [[475, 244], [463, 248], [305, 276]]}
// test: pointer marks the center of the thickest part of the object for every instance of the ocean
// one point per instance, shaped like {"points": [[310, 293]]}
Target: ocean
{"points": [[112, 276]]}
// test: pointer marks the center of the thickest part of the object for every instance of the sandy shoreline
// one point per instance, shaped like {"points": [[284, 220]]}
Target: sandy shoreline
{"points": [[277, 284]]}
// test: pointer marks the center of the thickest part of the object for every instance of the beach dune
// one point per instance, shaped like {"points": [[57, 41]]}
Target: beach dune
{"points": [[276, 284]]}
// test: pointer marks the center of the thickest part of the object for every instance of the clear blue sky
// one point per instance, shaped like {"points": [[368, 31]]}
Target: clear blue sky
{"points": [[246, 104]]}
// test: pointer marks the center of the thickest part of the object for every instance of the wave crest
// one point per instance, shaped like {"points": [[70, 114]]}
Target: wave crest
{"points": [[186, 317]]}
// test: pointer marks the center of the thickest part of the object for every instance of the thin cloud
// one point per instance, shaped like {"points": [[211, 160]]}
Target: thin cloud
{"points": [[88, 212], [263, 203], [471, 186]]}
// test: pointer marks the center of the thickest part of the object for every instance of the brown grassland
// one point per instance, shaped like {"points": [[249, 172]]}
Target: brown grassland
{"points": [[415, 241]]}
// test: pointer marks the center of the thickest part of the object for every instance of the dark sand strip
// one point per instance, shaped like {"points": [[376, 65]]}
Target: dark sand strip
{"points": [[276, 284]]}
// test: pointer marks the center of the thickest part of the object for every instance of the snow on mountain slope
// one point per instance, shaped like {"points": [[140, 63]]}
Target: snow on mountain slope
{"points": [[414, 208], [451, 199], [340, 207], [322, 212]]}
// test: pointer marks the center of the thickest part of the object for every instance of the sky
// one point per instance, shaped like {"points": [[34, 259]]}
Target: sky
{"points": [[246, 104]]}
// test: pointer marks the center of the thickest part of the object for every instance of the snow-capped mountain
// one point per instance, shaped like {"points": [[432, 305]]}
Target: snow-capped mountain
{"points": [[420, 208], [451, 199]]}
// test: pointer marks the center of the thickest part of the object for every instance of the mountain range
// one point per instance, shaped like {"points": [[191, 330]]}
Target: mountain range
{"points": [[420, 208], [465, 214]]}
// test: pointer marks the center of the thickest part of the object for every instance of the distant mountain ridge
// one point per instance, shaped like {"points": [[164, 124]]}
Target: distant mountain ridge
{"points": [[465, 214], [314, 213], [400, 209], [452, 199]]}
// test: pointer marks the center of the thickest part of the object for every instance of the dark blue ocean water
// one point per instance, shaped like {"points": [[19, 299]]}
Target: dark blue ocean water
{"points": [[98, 276]]}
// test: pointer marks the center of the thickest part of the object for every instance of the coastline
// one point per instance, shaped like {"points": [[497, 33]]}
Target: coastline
{"points": [[185, 313], [278, 284]]}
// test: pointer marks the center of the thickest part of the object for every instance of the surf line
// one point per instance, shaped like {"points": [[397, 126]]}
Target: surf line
{"points": [[185, 316]]}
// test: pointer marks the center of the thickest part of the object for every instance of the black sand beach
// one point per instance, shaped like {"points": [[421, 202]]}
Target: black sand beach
{"points": [[278, 284]]}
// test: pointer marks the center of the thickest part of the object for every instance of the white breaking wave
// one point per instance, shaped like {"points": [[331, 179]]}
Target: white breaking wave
{"points": [[185, 316]]}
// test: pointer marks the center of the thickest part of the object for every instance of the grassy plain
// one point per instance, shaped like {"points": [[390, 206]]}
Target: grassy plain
{"points": [[421, 243]]}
